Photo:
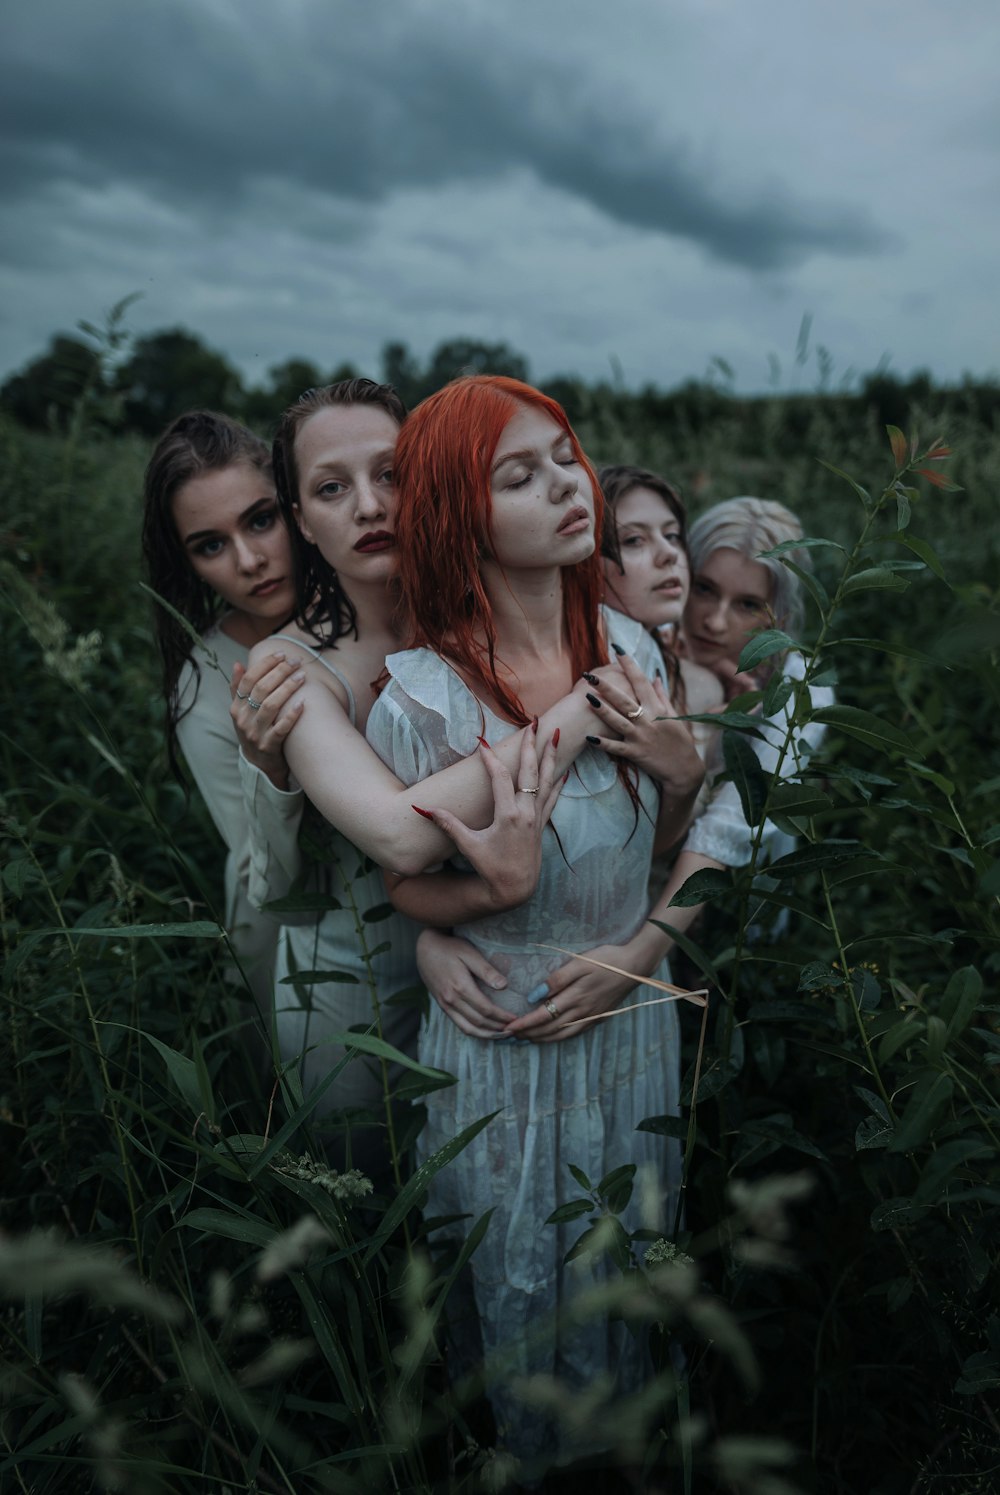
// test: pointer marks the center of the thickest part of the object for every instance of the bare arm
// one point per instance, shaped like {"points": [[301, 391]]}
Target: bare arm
{"points": [[351, 786]]}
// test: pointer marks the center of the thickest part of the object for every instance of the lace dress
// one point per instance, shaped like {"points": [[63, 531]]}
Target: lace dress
{"points": [[575, 1102]]}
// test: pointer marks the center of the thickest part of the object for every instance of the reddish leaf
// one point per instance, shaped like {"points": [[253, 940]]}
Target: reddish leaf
{"points": [[938, 479], [900, 453]]}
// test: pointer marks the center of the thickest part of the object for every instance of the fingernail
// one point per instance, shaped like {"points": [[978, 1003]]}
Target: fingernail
{"points": [[594, 741], [534, 724], [555, 737], [591, 679], [504, 1038], [298, 677], [425, 813], [498, 983], [483, 741], [618, 648], [658, 675], [593, 700], [537, 992], [565, 775]]}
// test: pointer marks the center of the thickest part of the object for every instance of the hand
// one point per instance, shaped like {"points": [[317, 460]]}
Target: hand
{"points": [[734, 682], [638, 722], [581, 990], [507, 854], [448, 968], [263, 725]]}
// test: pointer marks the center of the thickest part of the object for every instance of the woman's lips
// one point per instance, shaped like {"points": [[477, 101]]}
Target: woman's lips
{"points": [[265, 588], [377, 540], [575, 521]]}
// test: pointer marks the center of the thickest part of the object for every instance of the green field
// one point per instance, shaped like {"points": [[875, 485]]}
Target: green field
{"points": [[840, 1324]]}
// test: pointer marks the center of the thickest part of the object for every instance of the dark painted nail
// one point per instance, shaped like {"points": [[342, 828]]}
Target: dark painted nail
{"points": [[595, 741], [618, 648], [591, 679], [593, 700]]}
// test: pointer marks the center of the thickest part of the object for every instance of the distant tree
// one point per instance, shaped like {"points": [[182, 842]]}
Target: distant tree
{"points": [[402, 371], [463, 356], [169, 372], [44, 393]]}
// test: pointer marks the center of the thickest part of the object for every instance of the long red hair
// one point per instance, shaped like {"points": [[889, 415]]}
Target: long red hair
{"points": [[441, 473]]}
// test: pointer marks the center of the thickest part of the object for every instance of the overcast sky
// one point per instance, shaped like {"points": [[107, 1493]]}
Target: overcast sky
{"points": [[651, 183]]}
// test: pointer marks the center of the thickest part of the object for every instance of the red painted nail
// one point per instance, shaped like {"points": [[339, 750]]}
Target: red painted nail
{"points": [[534, 724], [555, 738], [565, 775], [425, 813], [483, 741]]}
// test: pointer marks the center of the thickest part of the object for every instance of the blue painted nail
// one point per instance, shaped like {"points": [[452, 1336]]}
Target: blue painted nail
{"points": [[617, 648], [538, 992]]}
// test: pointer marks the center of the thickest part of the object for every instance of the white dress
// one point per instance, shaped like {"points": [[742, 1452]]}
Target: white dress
{"points": [[575, 1102], [207, 738], [372, 957]]}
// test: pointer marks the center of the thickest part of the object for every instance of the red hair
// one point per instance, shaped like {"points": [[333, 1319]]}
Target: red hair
{"points": [[441, 473]]}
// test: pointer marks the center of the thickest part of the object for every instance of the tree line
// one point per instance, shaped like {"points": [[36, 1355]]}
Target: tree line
{"points": [[169, 371]]}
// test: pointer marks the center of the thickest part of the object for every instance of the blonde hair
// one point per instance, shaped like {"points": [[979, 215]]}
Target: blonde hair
{"points": [[749, 526]]}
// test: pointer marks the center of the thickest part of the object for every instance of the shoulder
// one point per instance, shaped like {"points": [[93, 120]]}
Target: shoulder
{"points": [[321, 672], [702, 689]]}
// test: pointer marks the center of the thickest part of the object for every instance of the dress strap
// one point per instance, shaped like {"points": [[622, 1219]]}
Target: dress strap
{"points": [[352, 709]]}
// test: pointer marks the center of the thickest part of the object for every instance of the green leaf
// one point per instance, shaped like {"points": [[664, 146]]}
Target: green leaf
{"points": [[892, 1214], [874, 579], [980, 1373], [944, 1163], [378, 913], [808, 542], [866, 727], [883, 646], [416, 1186], [744, 769], [320, 978], [182, 1072], [776, 694], [580, 1176], [664, 1126], [232, 1227], [797, 799], [701, 887], [762, 645], [927, 1104], [961, 1000], [615, 1188], [574, 1210], [925, 552], [812, 584], [815, 858], [872, 1132], [197, 929]]}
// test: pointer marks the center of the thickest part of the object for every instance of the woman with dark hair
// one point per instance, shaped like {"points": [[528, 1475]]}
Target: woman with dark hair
{"points": [[218, 552], [498, 515]]}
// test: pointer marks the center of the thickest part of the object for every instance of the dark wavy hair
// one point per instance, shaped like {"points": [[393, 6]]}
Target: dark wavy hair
{"points": [[197, 442], [325, 610], [617, 481]]}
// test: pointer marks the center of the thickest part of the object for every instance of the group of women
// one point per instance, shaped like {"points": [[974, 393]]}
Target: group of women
{"points": [[469, 656]]}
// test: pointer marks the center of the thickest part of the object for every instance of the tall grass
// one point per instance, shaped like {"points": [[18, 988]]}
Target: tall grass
{"points": [[196, 1301]]}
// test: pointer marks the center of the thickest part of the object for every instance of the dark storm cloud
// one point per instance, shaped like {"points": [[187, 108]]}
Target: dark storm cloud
{"points": [[198, 103]]}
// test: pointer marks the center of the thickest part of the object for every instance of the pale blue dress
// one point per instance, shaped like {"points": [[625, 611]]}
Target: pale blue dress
{"points": [[575, 1102]]}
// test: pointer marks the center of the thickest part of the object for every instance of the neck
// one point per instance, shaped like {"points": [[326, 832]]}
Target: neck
{"points": [[376, 606], [527, 611]]}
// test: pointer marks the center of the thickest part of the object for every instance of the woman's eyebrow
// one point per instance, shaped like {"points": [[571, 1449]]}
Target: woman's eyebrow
{"points": [[529, 452], [202, 534]]}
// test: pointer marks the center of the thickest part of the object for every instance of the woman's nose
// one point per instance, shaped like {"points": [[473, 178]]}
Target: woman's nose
{"points": [[248, 555], [370, 501]]}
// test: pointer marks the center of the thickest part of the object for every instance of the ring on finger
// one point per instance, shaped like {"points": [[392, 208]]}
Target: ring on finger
{"points": [[551, 1009], [240, 696], [528, 791], [254, 705], [633, 716]]}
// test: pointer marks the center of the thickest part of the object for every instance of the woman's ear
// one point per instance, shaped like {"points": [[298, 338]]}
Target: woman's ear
{"points": [[303, 527]]}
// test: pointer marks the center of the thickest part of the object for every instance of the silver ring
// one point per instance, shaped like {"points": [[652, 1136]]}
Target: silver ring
{"points": [[633, 716], [552, 1009], [528, 791], [254, 705], [240, 696]]}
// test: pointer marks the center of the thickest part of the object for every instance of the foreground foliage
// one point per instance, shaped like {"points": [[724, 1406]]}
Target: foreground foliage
{"points": [[194, 1300]]}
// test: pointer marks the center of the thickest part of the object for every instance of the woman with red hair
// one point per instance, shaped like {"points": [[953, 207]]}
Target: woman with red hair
{"points": [[498, 525]]}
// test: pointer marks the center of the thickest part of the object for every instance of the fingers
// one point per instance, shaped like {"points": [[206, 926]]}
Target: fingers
{"points": [[500, 780], [475, 961], [528, 771]]}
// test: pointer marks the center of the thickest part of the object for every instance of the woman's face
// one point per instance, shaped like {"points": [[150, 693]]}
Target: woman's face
{"points": [[730, 597], [543, 503], [233, 534], [653, 585], [346, 504]]}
